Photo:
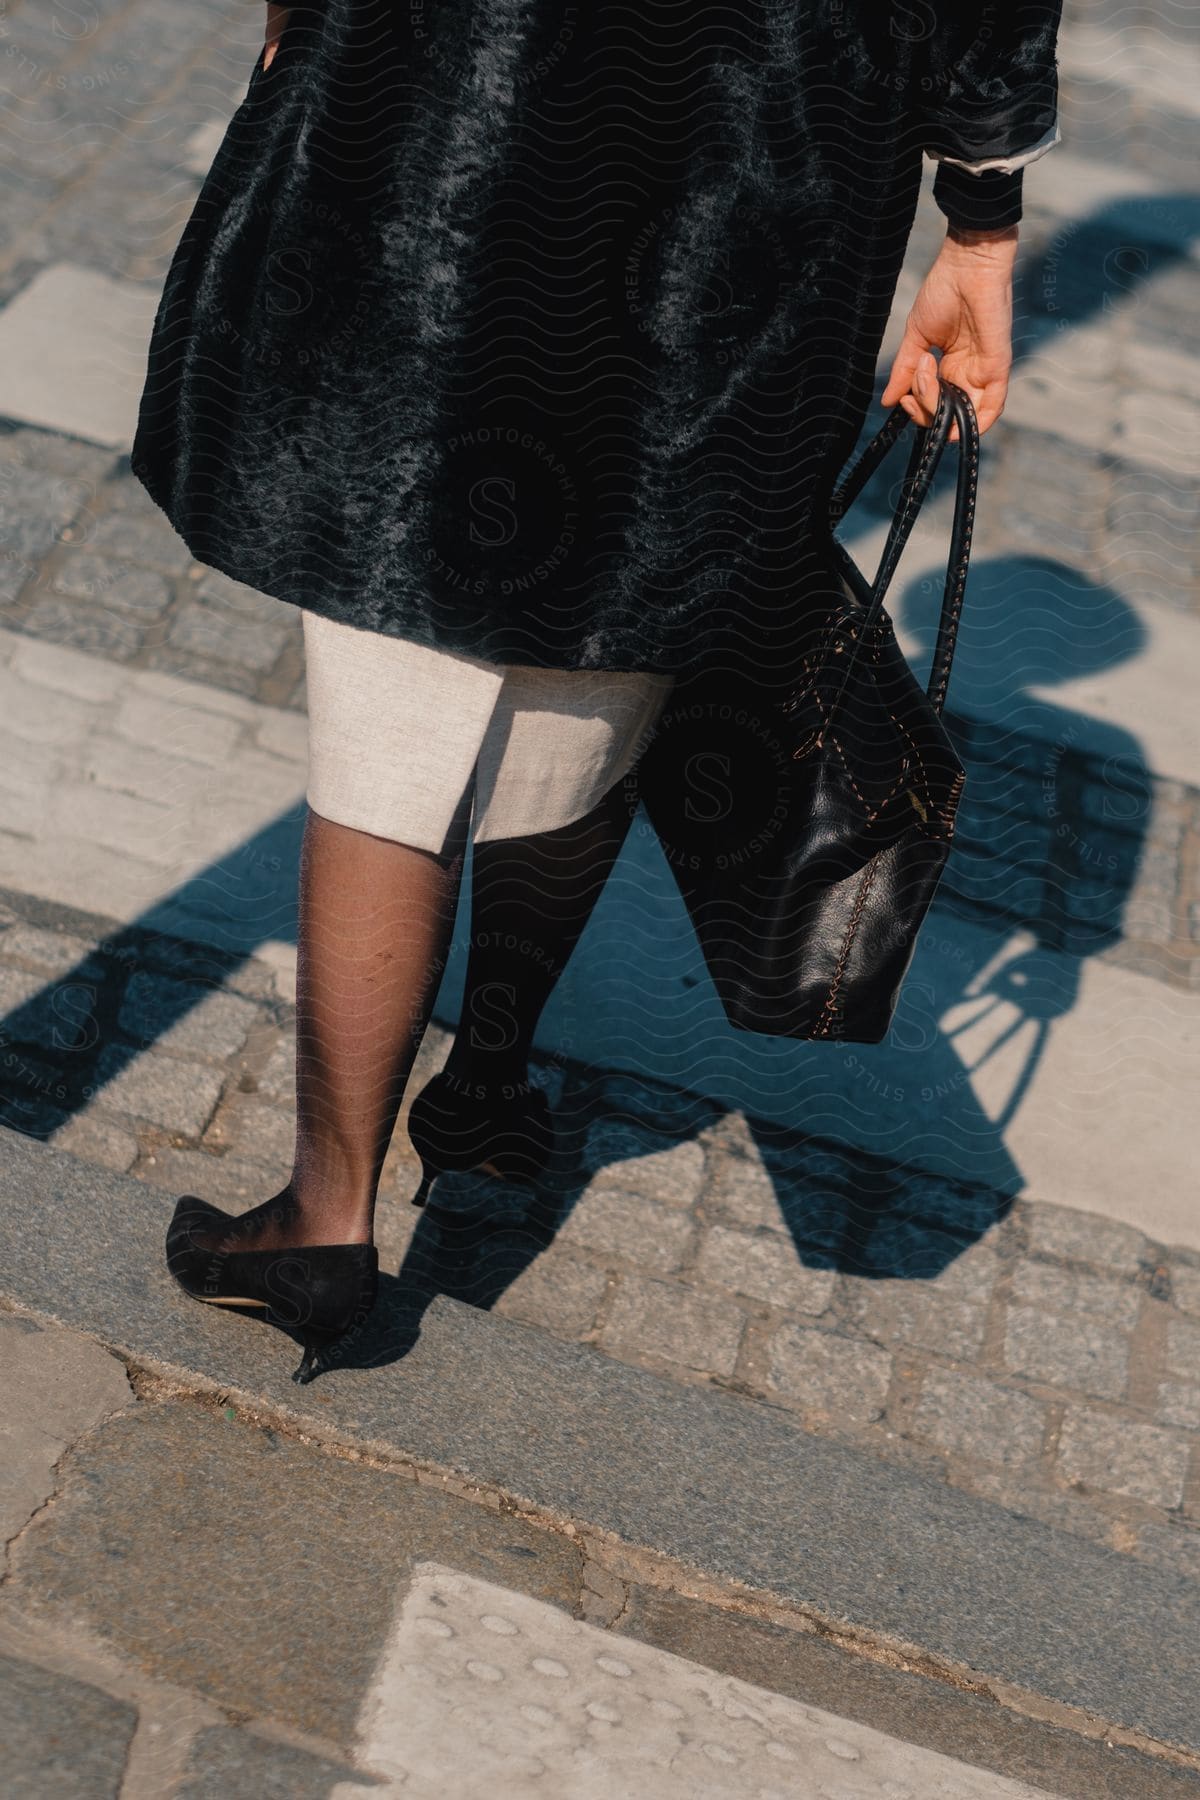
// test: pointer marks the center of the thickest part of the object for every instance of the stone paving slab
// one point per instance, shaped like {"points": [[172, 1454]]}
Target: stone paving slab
{"points": [[73, 353], [710, 1481], [220, 1473], [1011, 1065], [228, 1763], [1162, 69], [240, 1565], [335, 1640], [1116, 664], [77, 1632], [60, 1737], [208, 849], [55, 1387], [521, 1700]]}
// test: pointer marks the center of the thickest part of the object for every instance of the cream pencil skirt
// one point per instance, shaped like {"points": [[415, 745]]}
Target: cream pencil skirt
{"points": [[395, 730]]}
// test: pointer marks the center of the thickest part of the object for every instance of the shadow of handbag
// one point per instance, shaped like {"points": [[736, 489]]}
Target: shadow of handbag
{"points": [[808, 832]]}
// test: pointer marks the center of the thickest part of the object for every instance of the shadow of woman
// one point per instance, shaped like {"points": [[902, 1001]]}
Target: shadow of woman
{"points": [[899, 1162], [1050, 834], [478, 1234]]}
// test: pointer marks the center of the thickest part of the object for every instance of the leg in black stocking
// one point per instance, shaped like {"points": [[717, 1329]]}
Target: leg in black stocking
{"points": [[375, 922], [530, 900]]}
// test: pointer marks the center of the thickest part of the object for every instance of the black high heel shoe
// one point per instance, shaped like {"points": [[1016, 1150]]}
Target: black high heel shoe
{"points": [[323, 1292], [462, 1125]]}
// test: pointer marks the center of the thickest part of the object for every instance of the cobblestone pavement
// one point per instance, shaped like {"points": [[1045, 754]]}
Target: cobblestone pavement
{"points": [[1084, 845], [1028, 1353]]}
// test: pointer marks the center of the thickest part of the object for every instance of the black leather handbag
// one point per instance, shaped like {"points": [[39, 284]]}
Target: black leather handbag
{"points": [[808, 832]]}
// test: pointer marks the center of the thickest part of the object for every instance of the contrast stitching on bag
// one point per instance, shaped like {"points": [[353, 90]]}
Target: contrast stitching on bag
{"points": [[897, 536], [824, 1023], [892, 792], [949, 814], [919, 765], [911, 503], [967, 526], [833, 741]]}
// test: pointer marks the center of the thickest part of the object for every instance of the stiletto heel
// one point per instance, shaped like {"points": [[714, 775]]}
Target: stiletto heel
{"points": [[323, 1292], [465, 1127]]}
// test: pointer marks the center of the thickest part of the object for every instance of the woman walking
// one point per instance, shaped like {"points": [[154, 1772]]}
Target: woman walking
{"points": [[519, 344]]}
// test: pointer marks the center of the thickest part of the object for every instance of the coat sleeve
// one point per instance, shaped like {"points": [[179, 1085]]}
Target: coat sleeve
{"points": [[989, 102]]}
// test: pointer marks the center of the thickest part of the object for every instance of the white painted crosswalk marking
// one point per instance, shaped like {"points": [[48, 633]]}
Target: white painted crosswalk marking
{"points": [[73, 353], [520, 1700]]}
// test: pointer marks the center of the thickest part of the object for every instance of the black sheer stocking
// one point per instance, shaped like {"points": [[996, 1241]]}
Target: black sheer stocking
{"points": [[530, 900], [375, 922]]}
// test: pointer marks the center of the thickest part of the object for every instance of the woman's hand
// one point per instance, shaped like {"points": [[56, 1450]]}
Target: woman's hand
{"points": [[964, 309], [276, 20]]}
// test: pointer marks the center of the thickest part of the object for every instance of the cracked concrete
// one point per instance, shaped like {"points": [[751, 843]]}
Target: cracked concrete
{"points": [[54, 1386], [604, 1597], [283, 1567], [167, 1717], [76, 1720]]}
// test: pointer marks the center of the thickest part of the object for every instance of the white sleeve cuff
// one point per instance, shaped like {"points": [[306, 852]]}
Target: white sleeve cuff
{"points": [[1004, 165]]}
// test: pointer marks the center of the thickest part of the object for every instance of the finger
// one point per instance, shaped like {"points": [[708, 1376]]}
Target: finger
{"points": [[985, 384], [989, 405], [899, 382], [922, 400], [912, 347], [276, 20]]}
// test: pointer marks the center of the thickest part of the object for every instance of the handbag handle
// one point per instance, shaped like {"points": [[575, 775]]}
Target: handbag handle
{"points": [[954, 408]]}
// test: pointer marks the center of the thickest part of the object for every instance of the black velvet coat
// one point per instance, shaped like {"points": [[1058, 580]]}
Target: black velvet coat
{"points": [[540, 330]]}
